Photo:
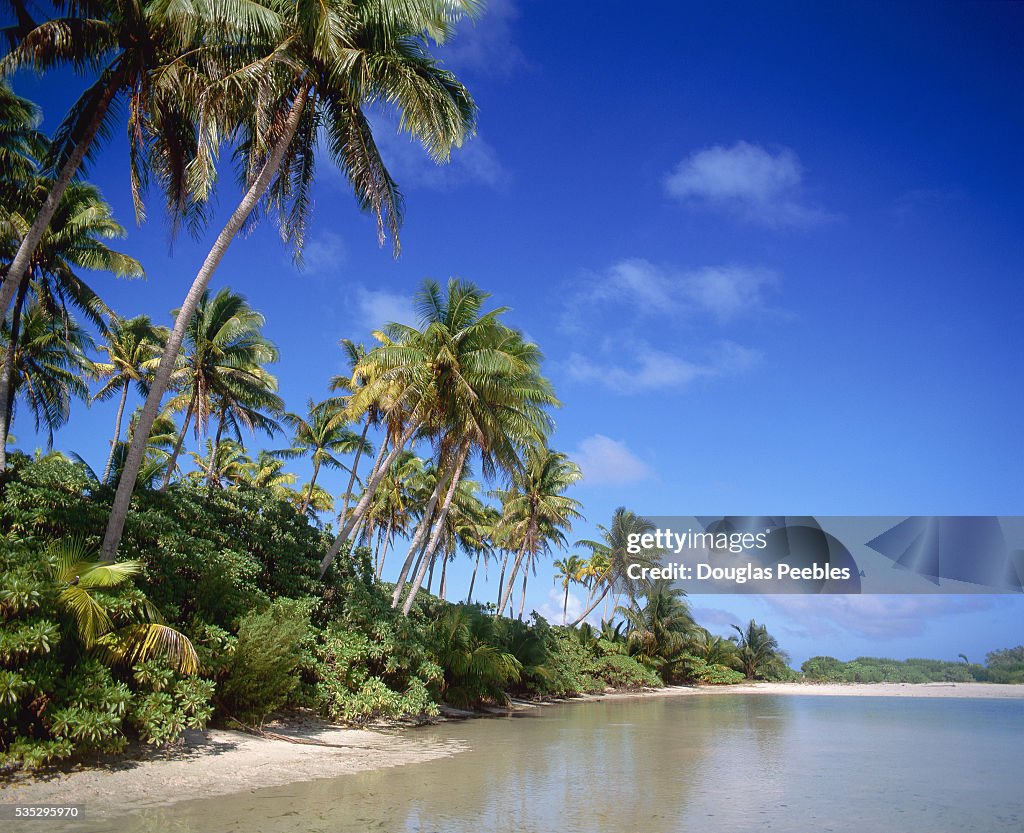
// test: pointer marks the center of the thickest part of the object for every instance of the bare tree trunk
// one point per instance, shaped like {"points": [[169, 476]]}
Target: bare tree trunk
{"points": [[430, 574], [590, 609], [472, 581], [501, 581], [136, 451], [117, 431], [355, 465], [309, 492], [211, 468], [460, 463], [7, 373], [22, 261], [506, 598], [417, 543], [364, 501], [172, 464], [384, 551]]}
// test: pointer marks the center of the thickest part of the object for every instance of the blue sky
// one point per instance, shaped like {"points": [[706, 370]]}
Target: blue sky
{"points": [[773, 256]]}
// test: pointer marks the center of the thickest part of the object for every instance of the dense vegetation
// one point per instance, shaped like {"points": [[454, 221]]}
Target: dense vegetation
{"points": [[1006, 666], [236, 570]]}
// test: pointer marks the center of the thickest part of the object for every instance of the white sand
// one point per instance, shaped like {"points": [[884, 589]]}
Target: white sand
{"points": [[219, 762]]}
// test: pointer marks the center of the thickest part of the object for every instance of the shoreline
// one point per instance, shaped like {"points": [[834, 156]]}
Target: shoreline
{"points": [[219, 762]]}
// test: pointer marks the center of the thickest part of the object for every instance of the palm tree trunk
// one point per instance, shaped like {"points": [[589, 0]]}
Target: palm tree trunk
{"points": [[565, 603], [137, 449], [522, 600], [364, 501], [211, 468], [172, 464], [379, 568], [417, 543], [117, 430], [501, 581], [444, 576], [22, 261], [309, 492], [355, 465], [506, 598], [430, 574], [590, 609], [7, 373], [472, 581], [460, 463]]}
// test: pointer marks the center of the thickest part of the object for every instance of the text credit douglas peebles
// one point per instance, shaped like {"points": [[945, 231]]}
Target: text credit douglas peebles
{"points": [[830, 554]]}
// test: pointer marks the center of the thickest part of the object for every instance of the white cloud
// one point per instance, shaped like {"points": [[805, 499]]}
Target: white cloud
{"points": [[488, 45], [748, 181], [376, 308], [726, 292], [552, 607], [652, 369], [716, 617], [605, 461], [877, 617], [324, 254], [475, 163]]}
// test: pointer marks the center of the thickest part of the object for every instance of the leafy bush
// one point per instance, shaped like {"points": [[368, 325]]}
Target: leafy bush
{"points": [[618, 671], [698, 670], [267, 659], [58, 697]]}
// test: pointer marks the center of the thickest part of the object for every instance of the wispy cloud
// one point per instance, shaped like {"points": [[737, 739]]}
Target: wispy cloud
{"points": [[605, 461], [555, 603], [487, 46], [375, 308], [746, 180], [325, 254], [651, 369], [476, 163], [877, 617], [716, 617], [726, 292]]}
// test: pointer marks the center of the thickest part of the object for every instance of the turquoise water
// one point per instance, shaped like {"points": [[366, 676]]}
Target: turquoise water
{"points": [[731, 763]]}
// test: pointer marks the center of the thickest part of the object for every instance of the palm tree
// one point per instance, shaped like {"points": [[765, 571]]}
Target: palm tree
{"points": [[74, 240], [221, 371], [356, 354], [757, 651], [49, 367], [324, 435], [477, 388], [135, 46], [613, 548], [568, 570], [535, 508], [658, 632], [132, 346], [322, 64], [78, 575], [21, 144], [267, 472], [224, 461], [158, 451]]}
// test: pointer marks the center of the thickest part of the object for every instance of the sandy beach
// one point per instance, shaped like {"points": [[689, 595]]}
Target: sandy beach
{"points": [[221, 762]]}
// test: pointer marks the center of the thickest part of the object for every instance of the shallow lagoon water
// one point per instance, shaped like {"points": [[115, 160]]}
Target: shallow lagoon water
{"points": [[668, 765]]}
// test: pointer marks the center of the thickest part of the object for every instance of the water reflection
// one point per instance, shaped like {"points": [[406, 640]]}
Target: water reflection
{"points": [[715, 763]]}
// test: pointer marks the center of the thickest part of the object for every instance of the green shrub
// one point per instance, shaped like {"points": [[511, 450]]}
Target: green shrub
{"points": [[267, 659]]}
